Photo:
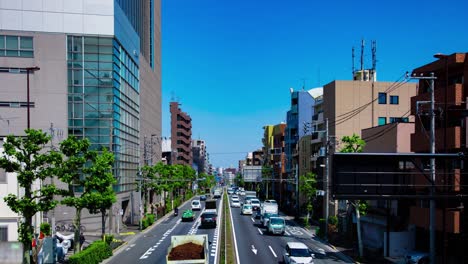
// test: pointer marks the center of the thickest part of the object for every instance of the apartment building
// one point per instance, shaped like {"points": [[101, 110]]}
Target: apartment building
{"points": [[92, 69], [200, 156], [450, 93], [351, 106], [181, 135]]}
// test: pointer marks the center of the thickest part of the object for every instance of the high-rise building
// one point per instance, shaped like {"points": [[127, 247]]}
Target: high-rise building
{"points": [[181, 135], [99, 76]]}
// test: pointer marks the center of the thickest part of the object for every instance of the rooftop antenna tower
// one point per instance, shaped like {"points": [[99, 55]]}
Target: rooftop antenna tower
{"points": [[352, 60], [362, 60], [374, 58]]}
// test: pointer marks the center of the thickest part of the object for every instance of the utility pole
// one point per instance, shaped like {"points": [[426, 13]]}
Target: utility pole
{"points": [[325, 182], [432, 205], [28, 70], [52, 147]]}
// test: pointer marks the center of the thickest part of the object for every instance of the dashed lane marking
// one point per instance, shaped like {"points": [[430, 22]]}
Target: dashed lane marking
{"points": [[260, 231], [273, 252]]}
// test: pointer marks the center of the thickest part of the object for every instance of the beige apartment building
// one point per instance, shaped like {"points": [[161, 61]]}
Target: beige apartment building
{"points": [[351, 106]]}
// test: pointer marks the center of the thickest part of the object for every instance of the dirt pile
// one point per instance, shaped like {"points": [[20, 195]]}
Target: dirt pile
{"points": [[187, 251]]}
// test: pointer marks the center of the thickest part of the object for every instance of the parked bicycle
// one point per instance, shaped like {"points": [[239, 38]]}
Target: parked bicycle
{"points": [[61, 227]]}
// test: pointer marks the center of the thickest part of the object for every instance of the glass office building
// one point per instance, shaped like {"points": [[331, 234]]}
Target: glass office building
{"points": [[103, 100]]}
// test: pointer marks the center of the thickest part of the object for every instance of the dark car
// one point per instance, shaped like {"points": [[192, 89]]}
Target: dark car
{"points": [[208, 219], [202, 197]]}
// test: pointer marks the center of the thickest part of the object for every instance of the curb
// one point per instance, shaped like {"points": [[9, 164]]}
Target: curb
{"points": [[120, 248]]}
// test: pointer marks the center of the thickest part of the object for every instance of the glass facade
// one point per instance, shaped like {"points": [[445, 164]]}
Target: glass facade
{"points": [[103, 101], [16, 46]]}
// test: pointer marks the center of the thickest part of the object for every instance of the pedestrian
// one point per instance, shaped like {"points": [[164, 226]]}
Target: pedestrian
{"points": [[82, 240]]}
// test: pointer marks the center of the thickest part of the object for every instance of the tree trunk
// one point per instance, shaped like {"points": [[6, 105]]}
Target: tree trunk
{"points": [[27, 247], [103, 223], [358, 226], [77, 224]]}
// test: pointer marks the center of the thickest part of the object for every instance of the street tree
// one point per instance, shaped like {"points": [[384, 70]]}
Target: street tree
{"points": [[27, 158], [76, 155], [98, 193], [308, 186], [354, 144]]}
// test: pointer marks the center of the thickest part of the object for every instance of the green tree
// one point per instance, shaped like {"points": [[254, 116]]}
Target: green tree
{"points": [[98, 192], [76, 155], [26, 157], [308, 187], [354, 143]]}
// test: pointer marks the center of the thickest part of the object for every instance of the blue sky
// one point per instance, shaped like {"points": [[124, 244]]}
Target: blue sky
{"points": [[231, 63]]}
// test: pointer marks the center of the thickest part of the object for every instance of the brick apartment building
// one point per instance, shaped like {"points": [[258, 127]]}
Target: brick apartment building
{"points": [[181, 135], [450, 92]]}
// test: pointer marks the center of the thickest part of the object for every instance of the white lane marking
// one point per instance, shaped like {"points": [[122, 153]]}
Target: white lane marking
{"points": [[252, 219], [151, 249], [273, 252], [260, 231], [234, 233], [254, 250], [217, 231], [287, 233]]}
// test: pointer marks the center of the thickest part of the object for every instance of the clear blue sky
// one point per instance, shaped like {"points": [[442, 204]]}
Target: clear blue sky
{"points": [[231, 63]]}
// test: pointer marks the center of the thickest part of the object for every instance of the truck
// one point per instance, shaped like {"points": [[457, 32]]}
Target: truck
{"points": [[210, 205], [217, 193], [269, 206], [188, 249], [251, 193]]}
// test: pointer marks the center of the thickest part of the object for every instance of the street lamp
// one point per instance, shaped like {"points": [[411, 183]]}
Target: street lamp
{"points": [[28, 70]]}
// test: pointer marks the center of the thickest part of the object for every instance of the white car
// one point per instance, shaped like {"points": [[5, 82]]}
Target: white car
{"points": [[246, 209], [196, 205], [255, 204], [297, 252], [235, 197], [235, 203]]}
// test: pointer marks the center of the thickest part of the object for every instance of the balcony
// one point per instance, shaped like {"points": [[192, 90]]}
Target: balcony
{"points": [[294, 109], [454, 97], [318, 117], [420, 218], [420, 142]]}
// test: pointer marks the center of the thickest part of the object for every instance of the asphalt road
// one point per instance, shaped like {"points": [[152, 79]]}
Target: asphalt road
{"points": [[152, 246], [255, 246]]}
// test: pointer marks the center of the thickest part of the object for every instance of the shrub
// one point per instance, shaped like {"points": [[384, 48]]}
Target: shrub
{"points": [[333, 220], [150, 218], [320, 233], [108, 239], [144, 223], [46, 229], [93, 254]]}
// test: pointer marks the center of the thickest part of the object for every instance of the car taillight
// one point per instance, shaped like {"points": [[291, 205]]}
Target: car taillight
{"points": [[203, 218], [214, 218]]}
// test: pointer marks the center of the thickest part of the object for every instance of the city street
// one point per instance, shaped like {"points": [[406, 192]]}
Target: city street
{"points": [[255, 246], [152, 246]]}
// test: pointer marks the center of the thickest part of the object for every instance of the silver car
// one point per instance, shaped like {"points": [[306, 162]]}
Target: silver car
{"points": [[297, 252]]}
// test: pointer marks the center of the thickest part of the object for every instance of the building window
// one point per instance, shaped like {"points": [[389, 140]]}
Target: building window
{"points": [[3, 233], [394, 99], [382, 98], [16, 104], [3, 178], [16, 46], [382, 121], [399, 119]]}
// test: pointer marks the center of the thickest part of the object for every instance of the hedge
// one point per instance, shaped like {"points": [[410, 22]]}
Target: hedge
{"points": [[93, 254]]}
